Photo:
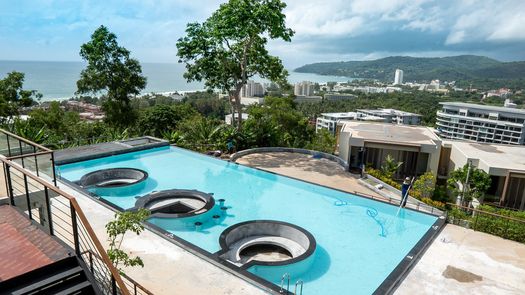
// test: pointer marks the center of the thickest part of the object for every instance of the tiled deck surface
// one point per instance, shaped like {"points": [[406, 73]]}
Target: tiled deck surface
{"points": [[321, 171], [23, 246]]}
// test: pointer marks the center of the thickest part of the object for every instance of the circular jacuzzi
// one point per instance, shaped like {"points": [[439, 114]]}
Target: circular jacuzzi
{"points": [[176, 203], [113, 178], [266, 243]]}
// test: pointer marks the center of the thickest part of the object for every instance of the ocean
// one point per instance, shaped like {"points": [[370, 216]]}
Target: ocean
{"points": [[57, 80]]}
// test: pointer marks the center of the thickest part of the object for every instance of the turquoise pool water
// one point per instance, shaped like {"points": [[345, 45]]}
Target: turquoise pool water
{"points": [[359, 241]]}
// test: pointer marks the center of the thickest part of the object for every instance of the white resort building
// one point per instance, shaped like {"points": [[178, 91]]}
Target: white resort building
{"points": [[393, 116], [329, 121]]}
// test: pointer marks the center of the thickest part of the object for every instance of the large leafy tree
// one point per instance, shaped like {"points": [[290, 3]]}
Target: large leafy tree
{"points": [[111, 71], [13, 96], [478, 182], [230, 47]]}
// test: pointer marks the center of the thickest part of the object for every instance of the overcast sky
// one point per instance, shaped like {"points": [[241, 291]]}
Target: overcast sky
{"points": [[327, 30]]}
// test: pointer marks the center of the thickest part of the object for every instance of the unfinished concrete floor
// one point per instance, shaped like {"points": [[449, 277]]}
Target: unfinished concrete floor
{"points": [[462, 261]]}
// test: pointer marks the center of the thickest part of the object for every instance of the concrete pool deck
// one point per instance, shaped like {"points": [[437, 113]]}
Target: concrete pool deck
{"points": [[462, 261], [301, 166]]}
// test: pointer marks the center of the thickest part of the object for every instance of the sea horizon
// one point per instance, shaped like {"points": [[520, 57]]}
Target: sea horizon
{"points": [[56, 80]]}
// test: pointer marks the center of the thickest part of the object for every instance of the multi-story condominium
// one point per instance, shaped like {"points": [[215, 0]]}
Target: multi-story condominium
{"points": [[481, 123], [329, 121], [252, 89], [393, 116], [304, 88], [398, 79]]}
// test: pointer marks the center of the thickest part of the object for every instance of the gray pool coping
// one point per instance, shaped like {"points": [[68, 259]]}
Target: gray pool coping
{"points": [[105, 149]]}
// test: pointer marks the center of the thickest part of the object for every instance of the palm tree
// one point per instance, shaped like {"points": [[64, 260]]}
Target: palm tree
{"points": [[390, 166]]}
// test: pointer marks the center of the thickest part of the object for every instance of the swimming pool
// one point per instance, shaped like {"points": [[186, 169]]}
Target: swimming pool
{"points": [[359, 242]]}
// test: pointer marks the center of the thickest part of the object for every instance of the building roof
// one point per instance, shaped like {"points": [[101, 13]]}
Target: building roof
{"points": [[380, 112], [391, 133], [508, 157], [484, 107], [340, 115]]}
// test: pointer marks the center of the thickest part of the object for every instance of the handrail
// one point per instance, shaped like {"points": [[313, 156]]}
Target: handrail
{"points": [[80, 214], [488, 213], [124, 275], [105, 258], [25, 140], [29, 155]]}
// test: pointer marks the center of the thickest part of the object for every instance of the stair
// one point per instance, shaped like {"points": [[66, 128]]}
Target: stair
{"points": [[66, 276]]}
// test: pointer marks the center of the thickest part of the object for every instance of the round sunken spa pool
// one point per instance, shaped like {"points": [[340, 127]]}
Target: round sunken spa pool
{"points": [[267, 245], [176, 203], [114, 180], [181, 209], [114, 177]]}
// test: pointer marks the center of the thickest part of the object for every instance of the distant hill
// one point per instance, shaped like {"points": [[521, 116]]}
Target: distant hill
{"points": [[453, 68]]}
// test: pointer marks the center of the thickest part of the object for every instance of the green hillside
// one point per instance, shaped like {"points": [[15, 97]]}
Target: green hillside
{"points": [[453, 68]]}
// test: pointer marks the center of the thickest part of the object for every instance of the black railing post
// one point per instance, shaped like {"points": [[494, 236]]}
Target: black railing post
{"points": [[134, 288], [21, 153], [8, 145], [36, 161], [91, 261], [53, 168], [48, 209], [27, 199], [10, 185], [113, 285], [75, 229]]}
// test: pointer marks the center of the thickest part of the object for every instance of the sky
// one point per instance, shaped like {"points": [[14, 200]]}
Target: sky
{"points": [[327, 30]]}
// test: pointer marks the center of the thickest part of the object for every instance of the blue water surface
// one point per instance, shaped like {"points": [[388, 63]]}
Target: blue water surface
{"points": [[359, 241]]}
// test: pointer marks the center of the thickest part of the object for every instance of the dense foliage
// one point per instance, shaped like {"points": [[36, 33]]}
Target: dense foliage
{"points": [[478, 182], [507, 224], [454, 68], [13, 96], [230, 47]]}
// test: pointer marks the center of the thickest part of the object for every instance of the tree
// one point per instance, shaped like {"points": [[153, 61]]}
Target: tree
{"points": [[478, 182], [424, 185], [13, 96], [277, 123], [390, 166], [161, 118], [230, 47], [127, 221], [110, 70], [323, 141]]}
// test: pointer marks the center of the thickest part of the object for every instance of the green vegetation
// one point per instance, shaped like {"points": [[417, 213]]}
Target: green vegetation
{"points": [[454, 68], [111, 71], [507, 224], [230, 47], [390, 166], [127, 221], [13, 96], [478, 182]]}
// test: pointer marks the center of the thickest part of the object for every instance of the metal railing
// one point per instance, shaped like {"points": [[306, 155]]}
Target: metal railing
{"points": [[507, 227], [29, 155], [133, 286], [418, 206], [59, 213]]}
